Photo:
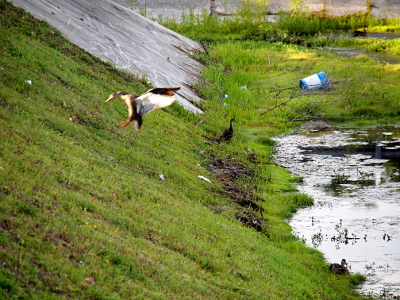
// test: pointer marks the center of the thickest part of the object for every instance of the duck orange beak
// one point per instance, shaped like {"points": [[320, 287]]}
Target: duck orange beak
{"points": [[110, 98], [115, 95]]}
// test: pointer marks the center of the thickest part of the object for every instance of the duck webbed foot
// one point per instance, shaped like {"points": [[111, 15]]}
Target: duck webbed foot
{"points": [[123, 124]]}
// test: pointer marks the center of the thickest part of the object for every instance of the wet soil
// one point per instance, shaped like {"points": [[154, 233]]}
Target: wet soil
{"points": [[356, 214], [236, 180]]}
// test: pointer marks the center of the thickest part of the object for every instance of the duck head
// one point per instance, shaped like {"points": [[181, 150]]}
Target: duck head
{"points": [[115, 95]]}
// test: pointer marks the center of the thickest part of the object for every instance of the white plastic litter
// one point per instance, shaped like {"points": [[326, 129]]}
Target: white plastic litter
{"points": [[206, 179]]}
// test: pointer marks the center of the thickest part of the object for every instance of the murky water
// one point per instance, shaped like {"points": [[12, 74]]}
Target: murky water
{"points": [[356, 214]]}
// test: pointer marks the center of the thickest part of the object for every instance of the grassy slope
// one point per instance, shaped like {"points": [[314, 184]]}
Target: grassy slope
{"points": [[83, 212]]}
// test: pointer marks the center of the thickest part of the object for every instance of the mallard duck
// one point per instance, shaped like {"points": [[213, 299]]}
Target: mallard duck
{"points": [[227, 135], [339, 269], [360, 33], [145, 103]]}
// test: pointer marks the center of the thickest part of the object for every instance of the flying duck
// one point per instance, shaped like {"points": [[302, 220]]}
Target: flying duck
{"points": [[339, 269], [227, 135], [145, 103]]}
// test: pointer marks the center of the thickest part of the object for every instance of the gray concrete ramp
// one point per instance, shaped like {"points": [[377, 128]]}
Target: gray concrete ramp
{"points": [[128, 40]]}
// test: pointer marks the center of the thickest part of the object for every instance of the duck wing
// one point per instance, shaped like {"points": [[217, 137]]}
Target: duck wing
{"points": [[164, 91], [227, 135], [155, 98]]}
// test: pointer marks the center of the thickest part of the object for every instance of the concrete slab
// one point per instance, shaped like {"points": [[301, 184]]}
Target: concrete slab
{"points": [[153, 9], [125, 38], [113, 31]]}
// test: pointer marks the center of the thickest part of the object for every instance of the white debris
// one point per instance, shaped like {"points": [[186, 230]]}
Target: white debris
{"points": [[28, 81], [161, 176], [206, 179]]}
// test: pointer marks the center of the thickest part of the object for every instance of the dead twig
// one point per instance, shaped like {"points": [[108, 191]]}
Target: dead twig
{"points": [[282, 103], [204, 47], [284, 89]]}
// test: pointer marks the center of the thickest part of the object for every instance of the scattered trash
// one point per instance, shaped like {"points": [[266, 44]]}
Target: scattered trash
{"points": [[227, 96], [161, 176], [244, 87], [70, 119], [28, 82], [387, 133], [317, 81], [225, 104], [197, 125], [90, 280], [206, 179]]}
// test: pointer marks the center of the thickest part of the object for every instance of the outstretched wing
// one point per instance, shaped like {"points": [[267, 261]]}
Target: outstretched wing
{"points": [[155, 98], [164, 91]]}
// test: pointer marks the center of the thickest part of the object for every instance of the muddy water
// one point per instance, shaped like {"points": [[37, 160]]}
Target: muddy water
{"points": [[356, 214]]}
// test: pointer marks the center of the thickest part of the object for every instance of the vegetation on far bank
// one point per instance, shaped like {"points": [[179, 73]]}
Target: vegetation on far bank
{"points": [[84, 212], [256, 63], [297, 26]]}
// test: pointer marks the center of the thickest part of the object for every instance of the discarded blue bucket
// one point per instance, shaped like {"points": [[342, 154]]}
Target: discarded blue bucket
{"points": [[317, 81]]}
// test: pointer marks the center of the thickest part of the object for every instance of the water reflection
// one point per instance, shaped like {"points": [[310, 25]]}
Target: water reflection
{"points": [[357, 199]]}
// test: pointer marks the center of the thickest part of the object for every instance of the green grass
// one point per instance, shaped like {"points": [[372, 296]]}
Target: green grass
{"points": [[297, 26], [83, 211], [360, 87]]}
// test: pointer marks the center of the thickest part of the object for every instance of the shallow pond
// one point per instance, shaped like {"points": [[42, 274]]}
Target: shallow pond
{"points": [[380, 57], [354, 178]]}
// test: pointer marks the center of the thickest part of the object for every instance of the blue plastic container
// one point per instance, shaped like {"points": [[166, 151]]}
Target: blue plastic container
{"points": [[317, 81]]}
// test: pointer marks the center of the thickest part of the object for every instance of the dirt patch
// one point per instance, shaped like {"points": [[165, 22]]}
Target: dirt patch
{"points": [[250, 219], [236, 180]]}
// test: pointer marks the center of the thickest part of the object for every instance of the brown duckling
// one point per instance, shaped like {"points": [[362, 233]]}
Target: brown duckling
{"points": [[227, 135], [360, 33], [339, 269]]}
